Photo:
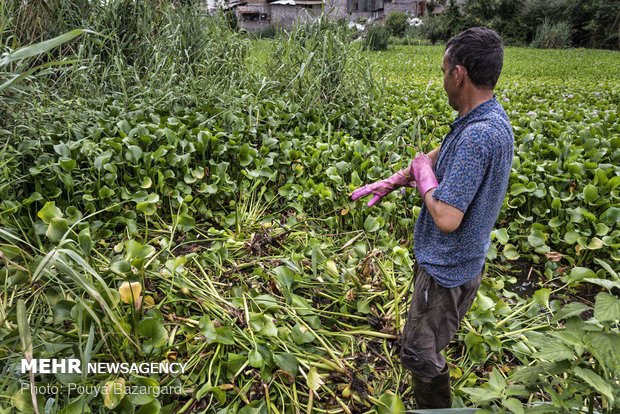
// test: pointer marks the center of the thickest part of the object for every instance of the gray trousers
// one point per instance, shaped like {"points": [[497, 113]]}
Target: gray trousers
{"points": [[433, 319]]}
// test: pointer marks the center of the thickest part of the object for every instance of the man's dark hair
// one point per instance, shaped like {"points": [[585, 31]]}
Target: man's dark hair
{"points": [[481, 52]]}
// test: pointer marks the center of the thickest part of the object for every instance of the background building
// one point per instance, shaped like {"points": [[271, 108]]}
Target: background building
{"points": [[257, 14]]}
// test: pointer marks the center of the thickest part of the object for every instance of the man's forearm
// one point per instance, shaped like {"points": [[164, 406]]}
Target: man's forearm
{"points": [[433, 155], [446, 217]]}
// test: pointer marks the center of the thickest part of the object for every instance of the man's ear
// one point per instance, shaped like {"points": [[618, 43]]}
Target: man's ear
{"points": [[461, 73]]}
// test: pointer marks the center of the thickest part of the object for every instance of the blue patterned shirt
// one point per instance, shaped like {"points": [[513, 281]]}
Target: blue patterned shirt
{"points": [[472, 168]]}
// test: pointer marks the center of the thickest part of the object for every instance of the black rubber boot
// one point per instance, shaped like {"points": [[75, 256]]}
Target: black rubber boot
{"points": [[433, 394]]}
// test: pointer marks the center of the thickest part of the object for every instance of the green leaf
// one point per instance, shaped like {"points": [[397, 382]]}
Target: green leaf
{"points": [[607, 307], [595, 244], [57, 229], [114, 393], [287, 362], [502, 235], [530, 374], [120, 267], [606, 348], [363, 306], [481, 395], [263, 324], [41, 47], [266, 302], [475, 345], [255, 359], [270, 328], [590, 193], [607, 284], [390, 403], [300, 335], [314, 380], [542, 297], [225, 335], [85, 241], [207, 328], [67, 164], [571, 237], [602, 229], [510, 252], [255, 407], [245, 157], [580, 273], [537, 238], [146, 182], [185, 222], [519, 188], [611, 216], [22, 401], [154, 407], [301, 306], [78, 405], [496, 380], [147, 384], [572, 309], [554, 350], [608, 268], [372, 224], [49, 212], [596, 382], [285, 277], [154, 330], [514, 405]]}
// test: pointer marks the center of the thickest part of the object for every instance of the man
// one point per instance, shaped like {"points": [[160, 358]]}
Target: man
{"points": [[462, 184]]}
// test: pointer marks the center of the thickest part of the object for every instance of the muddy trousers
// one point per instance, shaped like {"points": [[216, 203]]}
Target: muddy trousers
{"points": [[433, 319]]}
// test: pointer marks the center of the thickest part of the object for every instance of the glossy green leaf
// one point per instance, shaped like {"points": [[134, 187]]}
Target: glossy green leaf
{"points": [[287, 362], [390, 403]]}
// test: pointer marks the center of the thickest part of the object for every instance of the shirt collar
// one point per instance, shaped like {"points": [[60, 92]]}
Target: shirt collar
{"points": [[474, 113]]}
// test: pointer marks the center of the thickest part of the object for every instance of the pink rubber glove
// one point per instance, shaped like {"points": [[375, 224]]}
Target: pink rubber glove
{"points": [[422, 169], [384, 187]]}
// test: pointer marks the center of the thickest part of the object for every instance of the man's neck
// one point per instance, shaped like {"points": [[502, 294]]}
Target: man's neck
{"points": [[474, 100]]}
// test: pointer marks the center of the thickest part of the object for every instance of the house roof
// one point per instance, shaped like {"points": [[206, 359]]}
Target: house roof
{"points": [[296, 2]]}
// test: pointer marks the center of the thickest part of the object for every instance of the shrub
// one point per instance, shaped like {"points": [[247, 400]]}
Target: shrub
{"points": [[434, 29], [396, 23], [552, 35], [377, 38]]}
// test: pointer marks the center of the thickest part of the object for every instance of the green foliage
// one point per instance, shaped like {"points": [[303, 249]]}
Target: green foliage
{"points": [[578, 23], [435, 28], [316, 66], [396, 23], [592, 23], [270, 32], [18, 69], [581, 357], [377, 38], [552, 35]]}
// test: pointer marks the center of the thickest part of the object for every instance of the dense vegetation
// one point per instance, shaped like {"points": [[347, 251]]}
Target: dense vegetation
{"points": [[172, 191], [576, 23]]}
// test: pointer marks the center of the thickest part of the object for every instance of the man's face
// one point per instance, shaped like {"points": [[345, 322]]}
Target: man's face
{"points": [[449, 81]]}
